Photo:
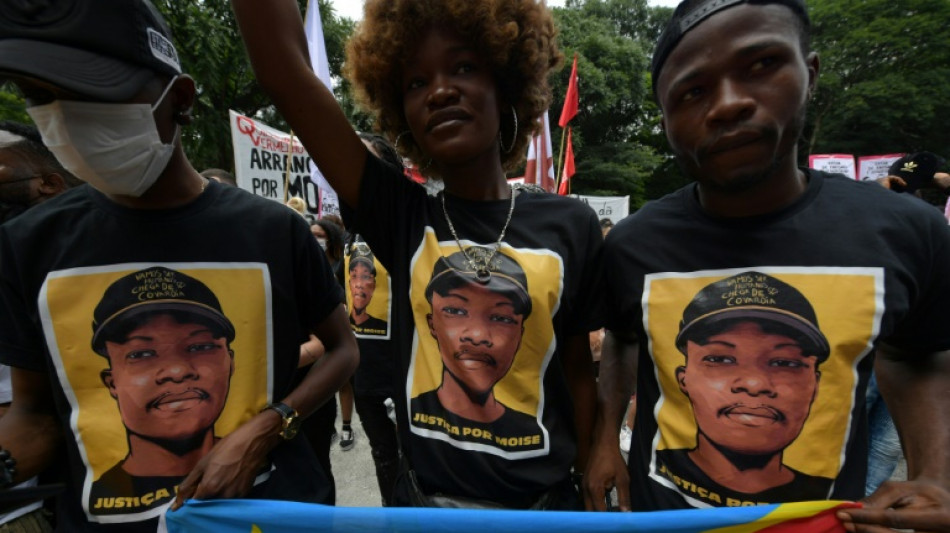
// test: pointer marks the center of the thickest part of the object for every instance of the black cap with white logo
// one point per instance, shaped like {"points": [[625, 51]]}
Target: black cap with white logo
{"points": [[104, 49]]}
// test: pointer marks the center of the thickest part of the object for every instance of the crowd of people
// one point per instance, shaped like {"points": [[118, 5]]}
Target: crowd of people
{"points": [[168, 336]]}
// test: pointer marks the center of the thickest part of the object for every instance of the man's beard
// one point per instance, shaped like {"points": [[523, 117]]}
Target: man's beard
{"points": [[749, 180]]}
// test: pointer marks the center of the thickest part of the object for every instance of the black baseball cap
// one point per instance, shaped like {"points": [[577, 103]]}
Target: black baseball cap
{"points": [[507, 276], [105, 49], [152, 290], [916, 170], [689, 13], [754, 296]]}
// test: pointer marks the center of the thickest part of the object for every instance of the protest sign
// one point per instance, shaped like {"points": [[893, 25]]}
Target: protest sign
{"points": [[834, 164], [872, 167], [262, 165], [616, 208]]}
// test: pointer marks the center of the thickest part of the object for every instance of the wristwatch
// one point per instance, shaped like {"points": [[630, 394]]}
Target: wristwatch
{"points": [[290, 417]]}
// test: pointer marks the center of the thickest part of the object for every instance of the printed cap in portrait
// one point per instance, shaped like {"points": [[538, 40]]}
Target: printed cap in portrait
{"points": [[156, 289], [753, 296], [507, 276]]}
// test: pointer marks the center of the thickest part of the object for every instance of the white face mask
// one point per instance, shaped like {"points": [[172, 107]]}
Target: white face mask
{"points": [[113, 147], [322, 243]]}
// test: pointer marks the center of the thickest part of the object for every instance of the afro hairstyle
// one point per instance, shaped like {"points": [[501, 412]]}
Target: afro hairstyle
{"points": [[517, 38]]}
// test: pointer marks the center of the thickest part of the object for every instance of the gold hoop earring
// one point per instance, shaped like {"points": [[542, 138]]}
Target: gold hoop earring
{"points": [[398, 137], [514, 136]]}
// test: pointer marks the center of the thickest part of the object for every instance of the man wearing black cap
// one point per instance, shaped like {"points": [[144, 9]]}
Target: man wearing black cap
{"points": [[102, 80], [478, 325], [733, 78], [913, 172]]}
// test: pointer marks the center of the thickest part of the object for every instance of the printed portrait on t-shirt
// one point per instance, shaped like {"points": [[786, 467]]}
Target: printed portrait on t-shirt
{"points": [[753, 367], [171, 363], [483, 339], [367, 293]]}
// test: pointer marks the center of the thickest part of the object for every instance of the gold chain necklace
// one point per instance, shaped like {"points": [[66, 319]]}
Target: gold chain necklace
{"points": [[481, 259]]}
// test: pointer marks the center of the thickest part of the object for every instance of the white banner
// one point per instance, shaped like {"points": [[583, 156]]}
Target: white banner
{"points": [[834, 163], [261, 161], [616, 208], [872, 167]]}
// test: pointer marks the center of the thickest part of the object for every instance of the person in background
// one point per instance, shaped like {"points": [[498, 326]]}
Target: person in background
{"points": [[368, 281], [914, 174], [29, 175], [330, 236]]}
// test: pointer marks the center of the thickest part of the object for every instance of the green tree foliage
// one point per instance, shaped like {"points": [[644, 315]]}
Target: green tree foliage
{"points": [[610, 40], [883, 85], [211, 51], [11, 105]]}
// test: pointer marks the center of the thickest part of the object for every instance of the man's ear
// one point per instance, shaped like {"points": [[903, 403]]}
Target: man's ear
{"points": [[429, 321], [814, 67], [681, 379], [231, 353], [183, 96], [109, 382], [52, 184]]}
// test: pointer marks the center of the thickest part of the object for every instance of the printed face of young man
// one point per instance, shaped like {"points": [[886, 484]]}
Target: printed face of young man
{"points": [[478, 332], [751, 391], [362, 286], [170, 380], [733, 94]]}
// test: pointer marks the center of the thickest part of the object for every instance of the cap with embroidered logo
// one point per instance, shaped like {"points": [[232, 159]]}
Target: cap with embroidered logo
{"points": [[917, 170], [104, 49], [757, 297], [155, 290]]}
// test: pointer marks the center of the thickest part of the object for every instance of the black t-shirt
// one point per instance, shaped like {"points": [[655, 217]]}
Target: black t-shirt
{"points": [[260, 261], [870, 263], [557, 243]]}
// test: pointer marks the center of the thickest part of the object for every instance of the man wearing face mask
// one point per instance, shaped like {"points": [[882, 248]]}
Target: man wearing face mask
{"points": [[103, 83]]}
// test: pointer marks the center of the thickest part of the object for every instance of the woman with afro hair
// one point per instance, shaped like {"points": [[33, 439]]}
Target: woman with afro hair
{"points": [[458, 87]]}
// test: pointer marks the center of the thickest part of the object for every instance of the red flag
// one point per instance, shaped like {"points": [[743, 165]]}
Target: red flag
{"points": [[570, 99], [540, 167], [568, 166]]}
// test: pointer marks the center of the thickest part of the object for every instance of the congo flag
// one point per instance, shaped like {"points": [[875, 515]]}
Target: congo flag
{"points": [[265, 516]]}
